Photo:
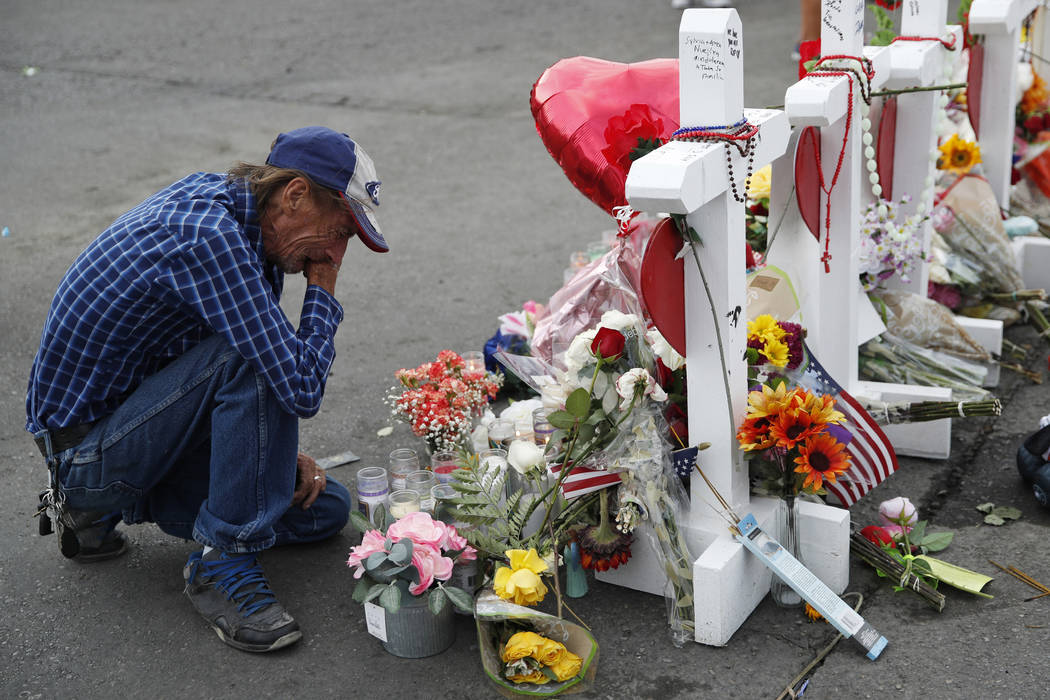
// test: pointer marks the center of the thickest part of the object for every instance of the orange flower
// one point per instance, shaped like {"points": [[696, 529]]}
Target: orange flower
{"points": [[1034, 97], [821, 457], [792, 427], [821, 408], [812, 613], [754, 434], [768, 402]]}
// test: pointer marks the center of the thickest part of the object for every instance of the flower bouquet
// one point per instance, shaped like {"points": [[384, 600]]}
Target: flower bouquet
{"points": [[414, 556], [439, 398], [898, 549], [525, 652]]}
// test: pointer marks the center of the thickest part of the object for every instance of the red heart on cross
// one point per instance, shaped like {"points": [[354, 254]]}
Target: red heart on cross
{"points": [[590, 114]]}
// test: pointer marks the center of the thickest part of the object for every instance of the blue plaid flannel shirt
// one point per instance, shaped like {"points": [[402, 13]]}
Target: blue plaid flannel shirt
{"points": [[184, 264]]}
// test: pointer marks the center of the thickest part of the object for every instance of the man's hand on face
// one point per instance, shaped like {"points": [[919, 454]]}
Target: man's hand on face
{"points": [[309, 481], [322, 274]]}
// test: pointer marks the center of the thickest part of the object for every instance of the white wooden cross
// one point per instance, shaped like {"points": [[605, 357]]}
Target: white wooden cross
{"points": [[1000, 23], [694, 179], [923, 64], [833, 302]]}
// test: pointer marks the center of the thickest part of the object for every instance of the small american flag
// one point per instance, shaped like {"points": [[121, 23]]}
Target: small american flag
{"points": [[870, 451], [585, 479]]}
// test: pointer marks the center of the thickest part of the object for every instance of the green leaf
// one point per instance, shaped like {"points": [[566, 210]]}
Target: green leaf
{"points": [[918, 531], [993, 519], [361, 590], [986, 507], [375, 591], [360, 522], [936, 541], [1007, 512], [546, 670], [578, 404], [586, 433], [562, 419], [390, 599], [460, 598], [375, 560], [401, 553], [436, 600]]}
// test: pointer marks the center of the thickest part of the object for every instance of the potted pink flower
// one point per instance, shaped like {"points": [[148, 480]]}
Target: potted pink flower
{"points": [[405, 570]]}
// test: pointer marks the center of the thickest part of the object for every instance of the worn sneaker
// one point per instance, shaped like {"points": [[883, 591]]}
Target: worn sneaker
{"points": [[231, 592], [89, 536]]}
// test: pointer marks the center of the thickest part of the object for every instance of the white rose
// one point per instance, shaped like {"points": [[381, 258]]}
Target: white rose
{"points": [[638, 380], [579, 353], [668, 355], [617, 320], [525, 456]]}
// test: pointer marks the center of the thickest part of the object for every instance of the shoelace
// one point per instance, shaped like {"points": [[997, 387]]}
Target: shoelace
{"points": [[235, 576]]}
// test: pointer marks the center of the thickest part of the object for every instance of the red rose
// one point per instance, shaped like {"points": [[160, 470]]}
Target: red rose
{"points": [[877, 535], [607, 343], [622, 134], [1034, 123], [1046, 120]]}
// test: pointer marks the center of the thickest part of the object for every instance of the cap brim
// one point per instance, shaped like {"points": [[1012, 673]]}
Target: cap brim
{"points": [[366, 223]]}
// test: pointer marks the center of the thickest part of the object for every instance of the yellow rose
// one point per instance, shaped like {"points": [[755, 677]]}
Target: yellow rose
{"points": [[521, 582], [536, 677], [568, 666], [549, 652], [520, 645], [758, 187]]}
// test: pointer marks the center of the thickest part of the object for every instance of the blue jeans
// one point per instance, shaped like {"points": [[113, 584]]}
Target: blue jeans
{"points": [[202, 449]]}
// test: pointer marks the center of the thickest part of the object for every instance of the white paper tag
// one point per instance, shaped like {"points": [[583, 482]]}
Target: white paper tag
{"points": [[375, 618]]}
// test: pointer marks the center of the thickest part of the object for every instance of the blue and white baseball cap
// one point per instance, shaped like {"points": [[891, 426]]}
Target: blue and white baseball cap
{"points": [[333, 160]]}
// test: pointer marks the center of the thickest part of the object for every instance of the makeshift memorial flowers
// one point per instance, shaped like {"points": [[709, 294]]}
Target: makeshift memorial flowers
{"points": [[414, 556], [524, 651], [521, 582], [898, 549], [438, 399], [889, 247], [772, 342], [958, 156], [532, 658], [756, 215], [793, 431]]}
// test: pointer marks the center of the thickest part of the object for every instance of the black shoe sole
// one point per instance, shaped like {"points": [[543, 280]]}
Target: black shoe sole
{"points": [[280, 643], [115, 546]]}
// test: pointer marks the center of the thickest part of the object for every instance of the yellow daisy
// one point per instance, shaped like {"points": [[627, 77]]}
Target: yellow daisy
{"points": [[776, 353], [764, 328]]}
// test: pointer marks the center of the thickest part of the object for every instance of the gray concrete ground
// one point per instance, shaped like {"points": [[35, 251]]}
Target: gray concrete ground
{"points": [[132, 95]]}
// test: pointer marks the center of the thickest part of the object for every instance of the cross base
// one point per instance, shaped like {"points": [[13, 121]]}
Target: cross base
{"points": [[729, 583]]}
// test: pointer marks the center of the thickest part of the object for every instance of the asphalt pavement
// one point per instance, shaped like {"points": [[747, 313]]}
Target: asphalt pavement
{"points": [[107, 101]]}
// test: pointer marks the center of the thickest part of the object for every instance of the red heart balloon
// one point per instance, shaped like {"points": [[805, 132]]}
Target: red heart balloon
{"points": [[590, 114], [663, 284], [974, 81], [887, 144], [807, 178]]}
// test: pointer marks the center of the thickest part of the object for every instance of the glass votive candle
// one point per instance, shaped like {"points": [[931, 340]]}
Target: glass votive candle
{"points": [[494, 458], [444, 509], [442, 464], [403, 461], [523, 429], [372, 490], [500, 430], [403, 502], [421, 482], [541, 426], [474, 360]]}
